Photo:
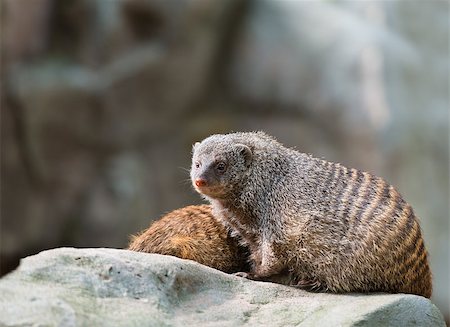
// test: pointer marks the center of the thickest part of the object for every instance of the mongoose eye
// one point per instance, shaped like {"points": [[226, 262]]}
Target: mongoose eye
{"points": [[221, 167], [197, 164]]}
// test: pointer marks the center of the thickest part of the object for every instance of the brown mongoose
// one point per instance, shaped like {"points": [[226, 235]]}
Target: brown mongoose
{"points": [[193, 233], [332, 228]]}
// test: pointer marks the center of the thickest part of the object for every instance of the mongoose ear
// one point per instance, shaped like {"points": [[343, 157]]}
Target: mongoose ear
{"points": [[246, 152], [195, 146]]}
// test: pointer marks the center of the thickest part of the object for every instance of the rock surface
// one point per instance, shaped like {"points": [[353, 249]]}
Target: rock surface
{"points": [[109, 287]]}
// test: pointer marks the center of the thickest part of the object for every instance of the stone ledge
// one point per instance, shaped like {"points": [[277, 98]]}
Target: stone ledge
{"points": [[110, 287]]}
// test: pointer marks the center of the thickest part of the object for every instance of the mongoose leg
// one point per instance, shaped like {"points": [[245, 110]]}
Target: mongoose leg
{"points": [[266, 263]]}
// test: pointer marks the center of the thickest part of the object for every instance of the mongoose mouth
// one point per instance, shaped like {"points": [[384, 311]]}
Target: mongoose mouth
{"points": [[212, 191], [202, 188]]}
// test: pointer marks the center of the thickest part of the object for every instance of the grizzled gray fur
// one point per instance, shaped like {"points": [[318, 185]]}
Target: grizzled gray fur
{"points": [[329, 227]]}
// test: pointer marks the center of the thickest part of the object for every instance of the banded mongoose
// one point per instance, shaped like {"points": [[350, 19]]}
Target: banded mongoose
{"points": [[193, 233], [332, 228]]}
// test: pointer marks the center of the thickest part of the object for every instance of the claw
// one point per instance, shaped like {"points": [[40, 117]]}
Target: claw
{"points": [[242, 274], [312, 285]]}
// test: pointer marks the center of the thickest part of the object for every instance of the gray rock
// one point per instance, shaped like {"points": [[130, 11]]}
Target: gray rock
{"points": [[109, 287]]}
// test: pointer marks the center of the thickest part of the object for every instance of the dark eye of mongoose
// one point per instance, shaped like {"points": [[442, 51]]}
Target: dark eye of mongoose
{"points": [[197, 164], [221, 167]]}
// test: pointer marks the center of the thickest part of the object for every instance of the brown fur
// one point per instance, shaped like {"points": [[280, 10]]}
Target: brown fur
{"points": [[192, 233], [332, 228]]}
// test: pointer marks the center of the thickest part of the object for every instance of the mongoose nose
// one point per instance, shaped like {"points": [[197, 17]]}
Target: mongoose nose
{"points": [[200, 182]]}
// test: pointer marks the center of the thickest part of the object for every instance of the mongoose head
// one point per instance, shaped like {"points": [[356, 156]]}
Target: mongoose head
{"points": [[219, 166]]}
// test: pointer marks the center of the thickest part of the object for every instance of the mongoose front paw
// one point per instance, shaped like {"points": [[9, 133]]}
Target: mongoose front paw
{"points": [[243, 274], [248, 275]]}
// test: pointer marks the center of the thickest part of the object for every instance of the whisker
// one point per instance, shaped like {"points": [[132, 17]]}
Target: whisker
{"points": [[185, 169], [186, 181]]}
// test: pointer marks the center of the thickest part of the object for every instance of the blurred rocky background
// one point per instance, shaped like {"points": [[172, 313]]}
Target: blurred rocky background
{"points": [[102, 100]]}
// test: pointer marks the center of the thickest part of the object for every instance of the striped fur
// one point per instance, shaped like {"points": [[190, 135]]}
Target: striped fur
{"points": [[333, 228], [192, 233]]}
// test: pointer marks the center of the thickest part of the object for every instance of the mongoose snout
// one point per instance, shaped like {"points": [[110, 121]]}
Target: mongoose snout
{"points": [[199, 182]]}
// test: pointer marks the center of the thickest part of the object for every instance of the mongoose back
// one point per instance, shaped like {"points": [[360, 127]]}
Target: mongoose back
{"points": [[193, 233], [332, 228]]}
